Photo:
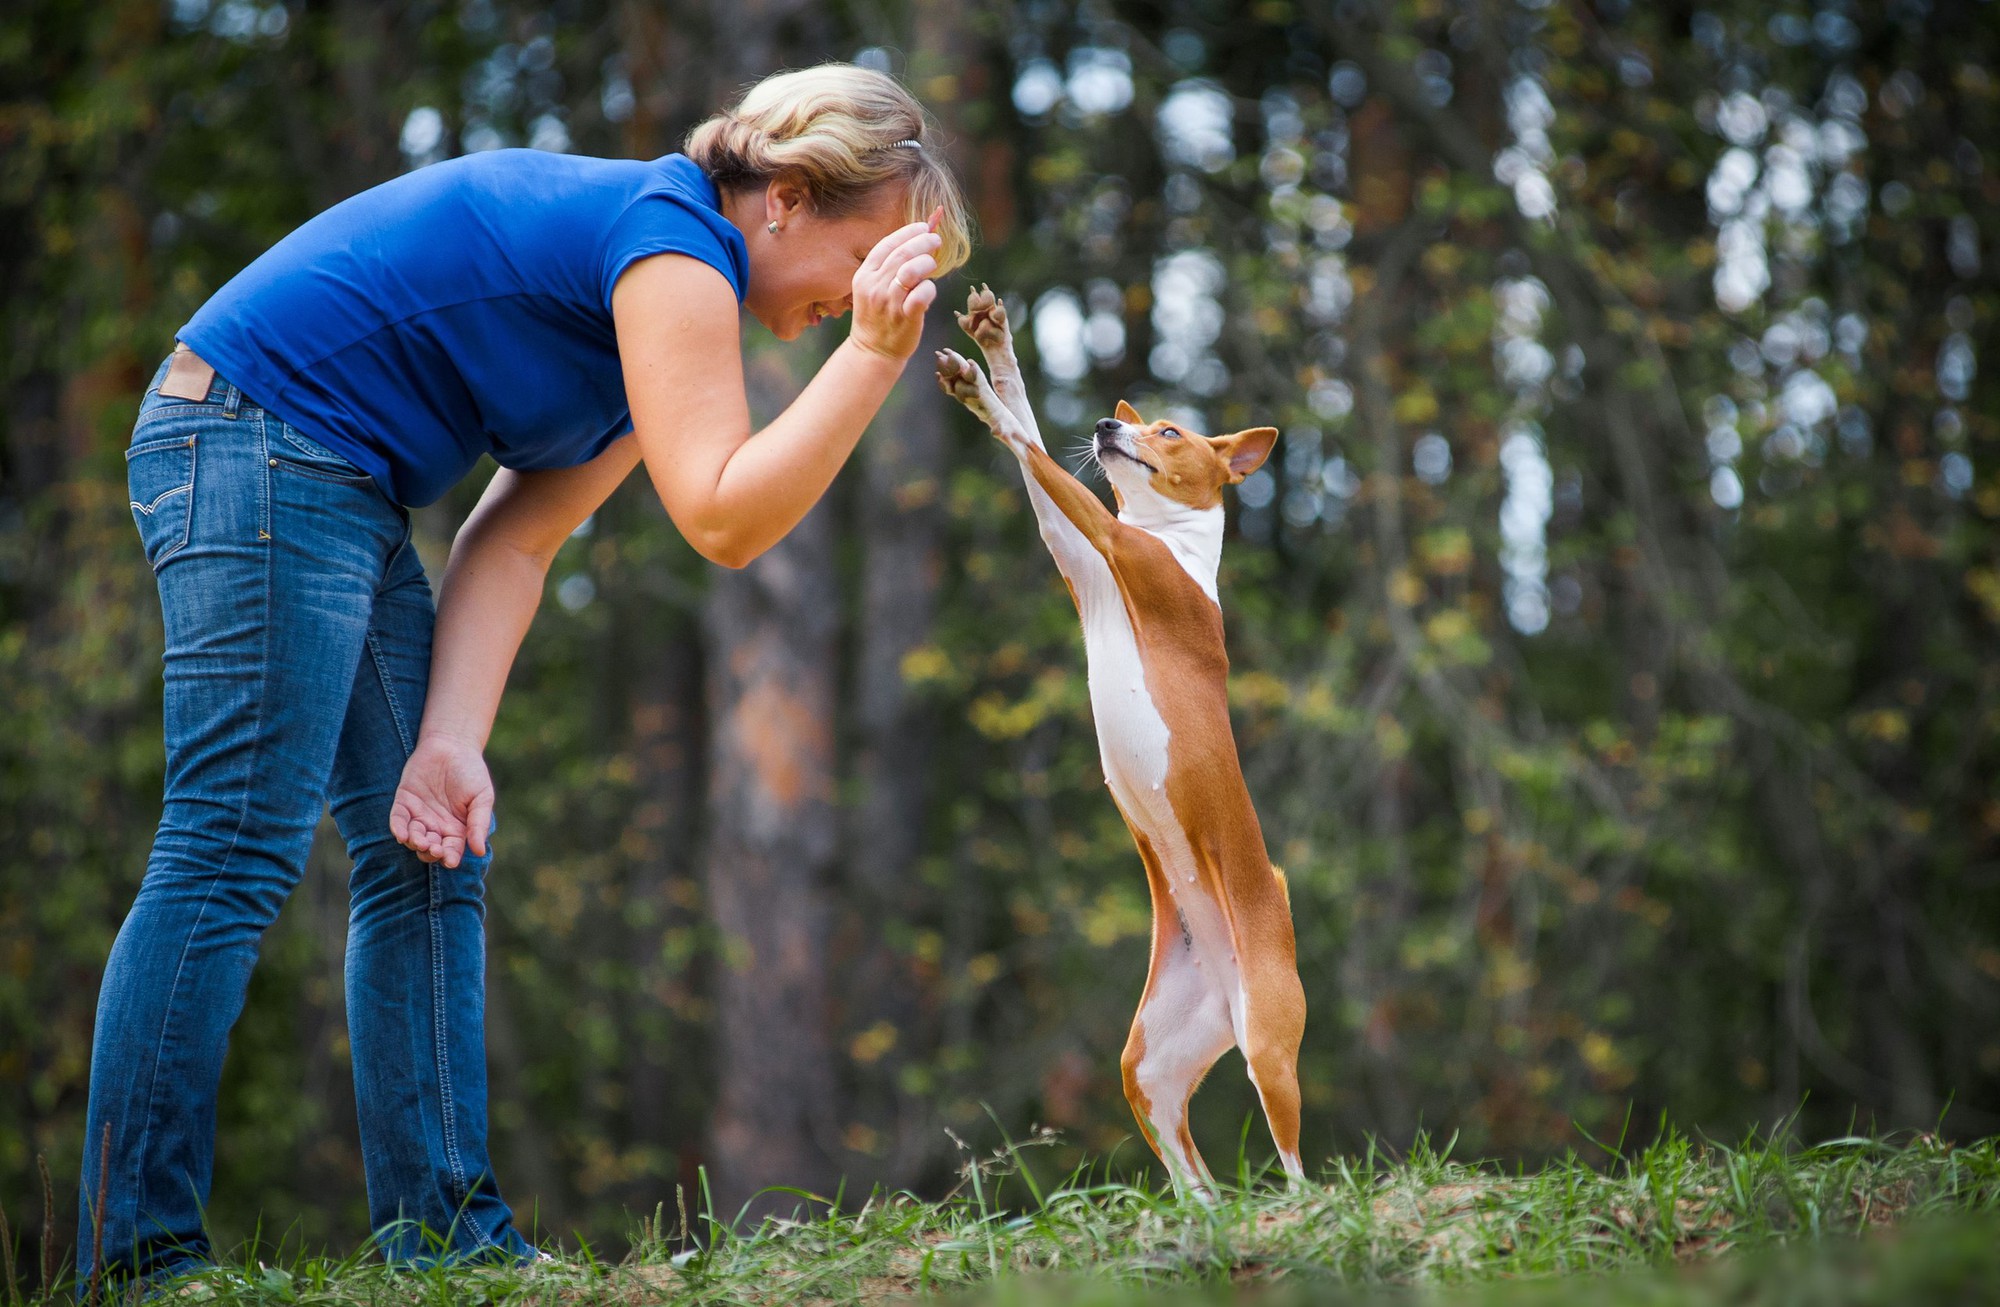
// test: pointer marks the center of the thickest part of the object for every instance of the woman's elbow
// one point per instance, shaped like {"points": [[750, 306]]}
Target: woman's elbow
{"points": [[725, 548]]}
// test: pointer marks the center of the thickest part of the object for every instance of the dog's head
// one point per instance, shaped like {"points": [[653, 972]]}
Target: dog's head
{"points": [[1158, 467]]}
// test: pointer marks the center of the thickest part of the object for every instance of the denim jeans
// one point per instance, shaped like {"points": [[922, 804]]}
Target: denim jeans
{"points": [[298, 641]]}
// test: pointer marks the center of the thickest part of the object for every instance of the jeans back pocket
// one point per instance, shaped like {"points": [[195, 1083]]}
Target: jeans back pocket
{"points": [[160, 476]]}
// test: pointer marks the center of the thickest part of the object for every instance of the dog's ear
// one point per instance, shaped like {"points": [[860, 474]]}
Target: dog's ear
{"points": [[1126, 413], [1245, 451]]}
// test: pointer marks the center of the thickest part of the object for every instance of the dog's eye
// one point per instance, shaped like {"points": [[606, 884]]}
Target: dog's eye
{"points": [[1170, 433]]}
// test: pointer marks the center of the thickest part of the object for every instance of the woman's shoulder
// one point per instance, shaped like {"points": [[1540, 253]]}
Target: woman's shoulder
{"points": [[676, 211]]}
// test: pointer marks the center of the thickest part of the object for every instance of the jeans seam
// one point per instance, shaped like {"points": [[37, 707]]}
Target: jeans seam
{"points": [[447, 1108], [448, 1112], [201, 914], [389, 693]]}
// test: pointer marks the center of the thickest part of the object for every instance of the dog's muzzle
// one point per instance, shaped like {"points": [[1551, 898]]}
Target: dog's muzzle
{"points": [[1110, 439]]}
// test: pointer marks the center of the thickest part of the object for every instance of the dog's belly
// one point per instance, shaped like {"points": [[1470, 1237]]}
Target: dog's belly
{"points": [[1132, 742]]}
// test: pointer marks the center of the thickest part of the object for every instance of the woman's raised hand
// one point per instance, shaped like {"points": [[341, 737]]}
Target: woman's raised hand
{"points": [[892, 288], [443, 802]]}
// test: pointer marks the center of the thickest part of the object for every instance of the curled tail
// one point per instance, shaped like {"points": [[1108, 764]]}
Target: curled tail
{"points": [[1284, 886]]}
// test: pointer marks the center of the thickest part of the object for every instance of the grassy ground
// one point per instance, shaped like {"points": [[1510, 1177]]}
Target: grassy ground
{"points": [[1676, 1223]]}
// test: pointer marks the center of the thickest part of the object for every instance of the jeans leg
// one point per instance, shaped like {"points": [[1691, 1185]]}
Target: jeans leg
{"points": [[416, 969], [266, 593]]}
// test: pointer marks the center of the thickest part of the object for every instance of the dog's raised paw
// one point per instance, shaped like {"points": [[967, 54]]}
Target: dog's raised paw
{"points": [[985, 318], [957, 376]]}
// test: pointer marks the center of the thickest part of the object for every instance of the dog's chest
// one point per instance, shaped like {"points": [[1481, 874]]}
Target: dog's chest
{"points": [[1132, 736]]}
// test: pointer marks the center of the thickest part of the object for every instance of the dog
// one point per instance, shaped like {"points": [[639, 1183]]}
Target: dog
{"points": [[1224, 965]]}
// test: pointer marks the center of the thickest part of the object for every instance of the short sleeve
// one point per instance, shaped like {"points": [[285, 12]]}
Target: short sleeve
{"points": [[665, 223]]}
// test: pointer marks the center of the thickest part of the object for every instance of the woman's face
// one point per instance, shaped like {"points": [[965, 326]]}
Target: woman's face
{"points": [[803, 274]]}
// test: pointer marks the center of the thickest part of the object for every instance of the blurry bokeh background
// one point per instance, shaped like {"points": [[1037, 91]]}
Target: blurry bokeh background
{"points": [[1613, 632]]}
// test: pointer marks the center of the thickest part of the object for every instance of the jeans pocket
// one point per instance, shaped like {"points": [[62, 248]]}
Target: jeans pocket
{"points": [[160, 476], [301, 453]]}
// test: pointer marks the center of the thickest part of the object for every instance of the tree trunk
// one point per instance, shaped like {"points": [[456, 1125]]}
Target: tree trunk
{"points": [[901, 527], [772, 655], [661, 1106]]}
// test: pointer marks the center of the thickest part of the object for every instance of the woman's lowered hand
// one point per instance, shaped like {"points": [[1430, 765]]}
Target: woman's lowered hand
{"points": [[444, 801]]}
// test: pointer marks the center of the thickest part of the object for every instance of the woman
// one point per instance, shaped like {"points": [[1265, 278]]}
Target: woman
{"points": [[571, 317]]}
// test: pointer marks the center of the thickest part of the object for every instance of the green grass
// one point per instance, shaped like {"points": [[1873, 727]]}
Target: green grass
{"points": [[1678, 1222]]}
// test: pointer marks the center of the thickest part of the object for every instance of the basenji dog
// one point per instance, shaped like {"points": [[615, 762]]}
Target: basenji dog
{"points": [[1224, 968]]}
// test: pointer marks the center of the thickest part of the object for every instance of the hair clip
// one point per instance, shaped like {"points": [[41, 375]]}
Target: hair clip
{"points": [[911, 145]]}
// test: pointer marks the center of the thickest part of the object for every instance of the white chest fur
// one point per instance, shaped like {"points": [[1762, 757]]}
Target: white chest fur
{"points": [[1192, 535]]}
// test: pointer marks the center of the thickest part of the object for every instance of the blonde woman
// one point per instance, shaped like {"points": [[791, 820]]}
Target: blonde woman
{"points": [[573, 318]]}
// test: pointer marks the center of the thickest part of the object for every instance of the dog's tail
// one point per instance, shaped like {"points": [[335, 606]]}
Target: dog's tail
{"points": [[1284, 886]]}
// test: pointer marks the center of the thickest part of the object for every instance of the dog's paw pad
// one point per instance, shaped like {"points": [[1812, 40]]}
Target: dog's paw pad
{"points": [[985, 317], [956, 375]]}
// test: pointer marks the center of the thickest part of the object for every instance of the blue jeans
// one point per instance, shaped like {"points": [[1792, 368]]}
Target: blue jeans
{"points": [[298, 642]]}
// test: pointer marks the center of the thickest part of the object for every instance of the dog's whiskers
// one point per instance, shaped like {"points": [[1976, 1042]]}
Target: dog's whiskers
{"points": [[1084, 454]]}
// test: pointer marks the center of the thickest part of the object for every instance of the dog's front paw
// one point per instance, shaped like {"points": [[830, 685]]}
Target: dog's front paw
{"points": [[985, 319], [961, 378], [958, 377]]}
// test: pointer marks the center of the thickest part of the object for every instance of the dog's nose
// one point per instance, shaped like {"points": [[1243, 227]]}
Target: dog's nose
{"points": [[1108, 426]]}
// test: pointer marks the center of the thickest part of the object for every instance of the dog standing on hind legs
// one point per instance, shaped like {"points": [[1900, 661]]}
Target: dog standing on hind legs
{"points": [[1224, 969]]}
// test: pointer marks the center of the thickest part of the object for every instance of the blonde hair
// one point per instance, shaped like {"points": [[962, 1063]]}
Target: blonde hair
{"points": [[841, 132]]}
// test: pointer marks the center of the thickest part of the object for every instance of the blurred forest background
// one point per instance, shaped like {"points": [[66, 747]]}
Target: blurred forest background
{"points": [[1613, 633]]}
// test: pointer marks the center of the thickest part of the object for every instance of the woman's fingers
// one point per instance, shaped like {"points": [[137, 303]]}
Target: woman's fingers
{"points": [[901, 278], [476, 824], [880, 254], [424, 830], [919, 246], [920, 298], [914, 271]]}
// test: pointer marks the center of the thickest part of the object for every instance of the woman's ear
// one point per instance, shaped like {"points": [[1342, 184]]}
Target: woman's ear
{"points": [[1245, 451], [784, 200]]}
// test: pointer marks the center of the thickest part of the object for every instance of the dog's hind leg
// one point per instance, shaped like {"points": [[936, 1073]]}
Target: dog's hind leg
{"points": [[1274, 1022], [1181, 1027]]}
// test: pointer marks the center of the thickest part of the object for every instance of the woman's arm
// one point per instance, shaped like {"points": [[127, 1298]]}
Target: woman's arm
{"points": [[492, 585], [731, 493]]}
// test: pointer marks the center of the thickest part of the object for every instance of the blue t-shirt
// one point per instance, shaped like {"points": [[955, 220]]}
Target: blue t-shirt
{"points": [[461, 309]]}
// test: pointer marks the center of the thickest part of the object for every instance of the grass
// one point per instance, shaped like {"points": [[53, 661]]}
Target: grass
{"points": [[1678, 1222]]}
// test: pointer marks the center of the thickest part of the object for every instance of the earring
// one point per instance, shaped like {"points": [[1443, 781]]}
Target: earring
{"points": [[772, 227]]}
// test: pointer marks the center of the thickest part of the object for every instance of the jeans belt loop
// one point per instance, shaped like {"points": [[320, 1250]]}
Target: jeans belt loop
{"points": [[231, 402]]}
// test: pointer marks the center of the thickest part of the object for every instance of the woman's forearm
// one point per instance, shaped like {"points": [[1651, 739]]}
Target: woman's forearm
{"points": [[766, 484], [489, 594]]}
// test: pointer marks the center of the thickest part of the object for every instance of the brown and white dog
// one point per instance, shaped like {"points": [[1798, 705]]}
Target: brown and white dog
{"points": [[1224, 969]]}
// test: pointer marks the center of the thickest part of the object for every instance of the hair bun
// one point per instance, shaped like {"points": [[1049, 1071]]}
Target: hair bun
{"points": [[841, 132]]}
